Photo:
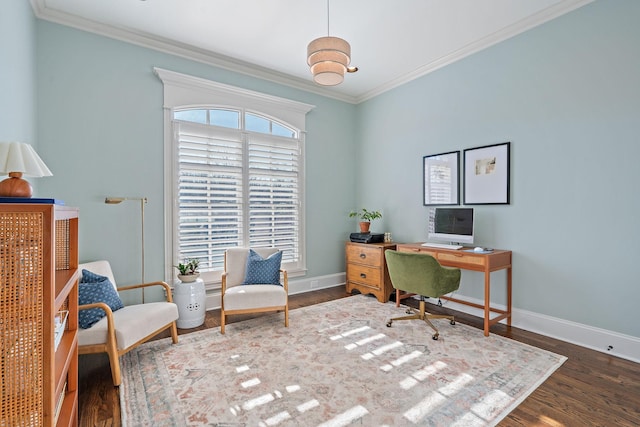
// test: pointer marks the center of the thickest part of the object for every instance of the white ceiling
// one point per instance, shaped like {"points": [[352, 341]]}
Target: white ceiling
{"points": [[392, 41]]}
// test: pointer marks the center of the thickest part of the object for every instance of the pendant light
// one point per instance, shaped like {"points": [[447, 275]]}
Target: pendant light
{"points": [[328, 58]]}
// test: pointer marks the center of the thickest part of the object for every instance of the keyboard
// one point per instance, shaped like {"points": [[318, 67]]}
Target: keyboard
{"points": [[441, 245]]}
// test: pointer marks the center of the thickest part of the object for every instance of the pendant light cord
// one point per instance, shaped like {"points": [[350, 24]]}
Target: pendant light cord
{"points": [[327, 18]]}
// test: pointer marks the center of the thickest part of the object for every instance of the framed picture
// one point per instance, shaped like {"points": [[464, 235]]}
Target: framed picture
{"points": [[442, 179], [486, 175]]}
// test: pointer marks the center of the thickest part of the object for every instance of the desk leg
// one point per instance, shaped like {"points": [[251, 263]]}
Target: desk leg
{"points": [[509, 296], [487, 301], [400, 295]]}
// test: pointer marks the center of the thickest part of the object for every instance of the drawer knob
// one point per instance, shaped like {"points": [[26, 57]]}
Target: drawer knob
{"points": [[363, 276], [363, 256]]}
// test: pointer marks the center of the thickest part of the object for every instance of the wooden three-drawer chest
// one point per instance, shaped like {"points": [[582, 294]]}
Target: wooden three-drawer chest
{"points": [[367, 269]]}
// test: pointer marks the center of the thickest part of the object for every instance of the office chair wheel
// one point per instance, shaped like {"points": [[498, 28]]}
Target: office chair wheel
{"points": [[389, 323], [435, 336]]}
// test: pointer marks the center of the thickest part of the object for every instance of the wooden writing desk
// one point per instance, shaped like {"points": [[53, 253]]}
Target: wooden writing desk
{"points": [[483, 262]]}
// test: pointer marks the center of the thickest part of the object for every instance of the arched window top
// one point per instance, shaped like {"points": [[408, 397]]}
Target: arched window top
{"points": [[255, 122], [236, 119], [181, 90]]}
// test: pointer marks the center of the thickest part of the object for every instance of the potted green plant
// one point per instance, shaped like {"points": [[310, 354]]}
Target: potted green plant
{"points": [[366, 216], [188, 271]]}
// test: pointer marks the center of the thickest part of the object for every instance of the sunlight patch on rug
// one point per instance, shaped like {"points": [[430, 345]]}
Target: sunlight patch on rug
{"points": [[337, 364]]}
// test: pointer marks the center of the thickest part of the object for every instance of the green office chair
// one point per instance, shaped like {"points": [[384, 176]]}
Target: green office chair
{"points": [[421, 274]]}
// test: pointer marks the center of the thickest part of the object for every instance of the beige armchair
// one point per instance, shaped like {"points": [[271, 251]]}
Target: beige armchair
{"points": [[122, 330], [237, 298]]}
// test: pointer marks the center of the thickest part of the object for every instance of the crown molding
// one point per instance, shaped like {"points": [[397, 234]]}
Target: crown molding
{"points": [[221, 61], [181, 50], [519, 27]]}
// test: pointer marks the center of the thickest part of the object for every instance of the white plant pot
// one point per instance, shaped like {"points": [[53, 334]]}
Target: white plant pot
{"points": [[188, 278], [190, 298]]}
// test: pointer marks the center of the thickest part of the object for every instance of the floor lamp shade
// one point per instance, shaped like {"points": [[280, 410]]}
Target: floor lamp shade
{"points": [[18, 159]]}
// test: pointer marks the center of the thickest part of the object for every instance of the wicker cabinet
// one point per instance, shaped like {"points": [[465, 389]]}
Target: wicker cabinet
{"points": [[39, 314], [367, 269]]}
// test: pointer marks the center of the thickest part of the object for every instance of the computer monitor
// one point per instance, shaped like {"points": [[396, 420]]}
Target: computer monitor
{"points": [[451, 225]]}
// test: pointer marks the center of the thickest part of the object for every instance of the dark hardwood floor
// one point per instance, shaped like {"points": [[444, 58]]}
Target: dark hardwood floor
{"points": [[589, 389]]}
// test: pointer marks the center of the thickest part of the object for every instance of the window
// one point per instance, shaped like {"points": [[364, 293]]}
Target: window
{"points": [[236, 188], [236, 175]]}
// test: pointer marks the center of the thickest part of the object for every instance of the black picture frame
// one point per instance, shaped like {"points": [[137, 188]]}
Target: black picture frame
{"points": [[441, 179], [487, 171]]}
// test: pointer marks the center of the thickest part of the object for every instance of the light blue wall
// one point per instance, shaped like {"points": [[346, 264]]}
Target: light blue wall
{"points": [[101, 126], [567, 96], [17, 73]]}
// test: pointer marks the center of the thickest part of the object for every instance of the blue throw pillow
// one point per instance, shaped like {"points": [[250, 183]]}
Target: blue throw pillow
{"points": [[96, 288], [262, 271]]}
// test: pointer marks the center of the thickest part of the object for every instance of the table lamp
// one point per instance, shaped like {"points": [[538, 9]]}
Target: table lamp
{"points": [[17, 159]]}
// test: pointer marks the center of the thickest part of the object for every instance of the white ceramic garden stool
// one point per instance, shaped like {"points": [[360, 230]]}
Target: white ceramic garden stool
{"points": [[190, 299]]}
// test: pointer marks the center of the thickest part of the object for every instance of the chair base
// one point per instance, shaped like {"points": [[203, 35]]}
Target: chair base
{"points": [[114, 354], [423, 315], [224, 313]]}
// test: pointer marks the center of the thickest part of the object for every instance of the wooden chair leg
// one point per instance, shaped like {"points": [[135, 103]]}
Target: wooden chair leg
{"points": [[286, 316], [114, 361], [222, 318], [174, 333]]}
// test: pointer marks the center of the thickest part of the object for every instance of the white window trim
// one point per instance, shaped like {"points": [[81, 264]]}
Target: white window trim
{"points": [[181, 90]]}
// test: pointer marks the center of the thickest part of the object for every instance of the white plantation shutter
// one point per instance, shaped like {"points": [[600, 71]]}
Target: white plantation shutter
{"points": [[236, 188], [210, 193], [274, 194]]}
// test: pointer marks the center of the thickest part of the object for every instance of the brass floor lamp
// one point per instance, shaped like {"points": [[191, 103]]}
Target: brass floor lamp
{"points": [[143, 201]]}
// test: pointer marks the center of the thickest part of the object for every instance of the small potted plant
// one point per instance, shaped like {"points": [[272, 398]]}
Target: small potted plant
{"points": [[188, 272], [366, 217]]}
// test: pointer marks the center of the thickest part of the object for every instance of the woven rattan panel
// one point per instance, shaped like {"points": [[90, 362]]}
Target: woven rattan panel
{"points": [[62, 244], [21, 318]]}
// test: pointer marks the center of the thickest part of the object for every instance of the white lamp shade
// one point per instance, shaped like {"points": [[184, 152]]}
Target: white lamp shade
{"points": [[328, 73], [328, 58], [338, 49], [21, 157]]}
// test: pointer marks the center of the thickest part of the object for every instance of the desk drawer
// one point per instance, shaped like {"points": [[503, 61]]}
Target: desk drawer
{"points": [[363, 274], [422, 251], [363, 255], [460, 258]]}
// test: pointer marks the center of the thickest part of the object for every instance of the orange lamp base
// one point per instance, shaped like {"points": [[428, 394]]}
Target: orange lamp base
{"points": [[15, 186]]}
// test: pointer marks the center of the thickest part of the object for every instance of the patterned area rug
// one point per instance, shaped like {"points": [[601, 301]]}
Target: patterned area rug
{"points": [[337, 364]]}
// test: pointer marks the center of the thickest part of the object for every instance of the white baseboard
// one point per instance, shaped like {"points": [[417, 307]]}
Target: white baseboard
{"points": [[602, 340], [315, 283]]}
